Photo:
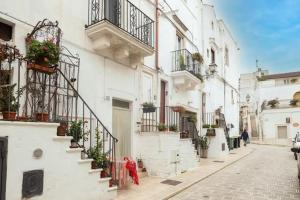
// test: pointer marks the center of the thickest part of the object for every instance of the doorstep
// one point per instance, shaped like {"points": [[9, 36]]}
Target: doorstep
{"points": [[152, 188]]}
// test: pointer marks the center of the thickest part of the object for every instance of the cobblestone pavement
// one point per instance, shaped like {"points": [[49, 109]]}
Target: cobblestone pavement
{"points": [[268, 173]]}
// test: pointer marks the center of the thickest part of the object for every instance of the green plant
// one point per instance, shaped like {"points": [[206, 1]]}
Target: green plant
{"points": [[273, 103], [96, 152], [148, 105], [215, 126], [203, 142], [161, 127], [8, 101], [294, 80], [44, 52], [206, 126], [197, 57], [181, 62], [173, 127], [294, 102], [76, 130], [192, 118]]}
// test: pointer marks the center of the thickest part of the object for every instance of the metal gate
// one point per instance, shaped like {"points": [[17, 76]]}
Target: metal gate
{"points": [[3, 166]]}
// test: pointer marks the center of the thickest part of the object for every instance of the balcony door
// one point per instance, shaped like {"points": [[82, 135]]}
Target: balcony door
{"points": [[162, 114], [111, 11]]}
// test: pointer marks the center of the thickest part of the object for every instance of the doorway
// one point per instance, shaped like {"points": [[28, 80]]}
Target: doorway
{"points": [[111, 11], [162, 115], [121, 127], [282, 132], [3, 166]]}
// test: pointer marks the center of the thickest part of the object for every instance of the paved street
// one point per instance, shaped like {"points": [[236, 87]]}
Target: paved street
{"points": [[268, 173]]}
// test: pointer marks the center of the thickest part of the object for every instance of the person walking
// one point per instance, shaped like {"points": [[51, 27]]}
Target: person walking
{"points": [[245, 137]]}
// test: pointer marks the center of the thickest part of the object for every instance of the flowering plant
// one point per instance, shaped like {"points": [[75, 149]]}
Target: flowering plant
{"points": [[45, 53]]}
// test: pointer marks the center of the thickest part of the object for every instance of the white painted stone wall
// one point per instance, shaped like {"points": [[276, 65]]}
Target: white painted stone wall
{"points": [[66, 177], [215, 144], [272, 118], [164, 154]]}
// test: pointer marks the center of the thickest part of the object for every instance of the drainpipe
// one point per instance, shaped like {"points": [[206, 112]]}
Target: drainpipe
{"points": [[156, 34]]}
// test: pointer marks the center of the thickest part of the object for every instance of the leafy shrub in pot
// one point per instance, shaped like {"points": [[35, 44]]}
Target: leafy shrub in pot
{"points": [[8, 102], [76, 131], [148, 107], [162, 127], [173, 128]]}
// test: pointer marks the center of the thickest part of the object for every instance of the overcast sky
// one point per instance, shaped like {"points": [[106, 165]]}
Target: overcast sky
{"points": [[267, 30]]}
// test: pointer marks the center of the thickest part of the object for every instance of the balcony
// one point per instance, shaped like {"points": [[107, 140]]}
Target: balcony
{"points": [[186, 72], [120, 31], [280, 104]]}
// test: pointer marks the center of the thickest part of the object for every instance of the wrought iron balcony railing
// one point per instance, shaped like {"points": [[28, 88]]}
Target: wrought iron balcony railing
{"points": [[280, 104], [124, 15], [183, 60]]}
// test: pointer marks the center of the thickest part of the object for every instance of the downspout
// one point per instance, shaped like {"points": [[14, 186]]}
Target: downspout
{"points": [[156, 34]]}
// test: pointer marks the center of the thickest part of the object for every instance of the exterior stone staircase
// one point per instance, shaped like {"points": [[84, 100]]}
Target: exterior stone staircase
{"points": [[66, 175]]}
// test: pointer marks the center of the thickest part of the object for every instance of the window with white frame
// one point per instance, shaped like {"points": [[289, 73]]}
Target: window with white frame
{"points": [[147, 88]]}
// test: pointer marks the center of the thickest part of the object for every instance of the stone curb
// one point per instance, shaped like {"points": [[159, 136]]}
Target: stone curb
{"points": [[201, 179]]}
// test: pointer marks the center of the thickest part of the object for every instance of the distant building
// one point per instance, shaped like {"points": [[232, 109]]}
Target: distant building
{"points": [[272, 105]]}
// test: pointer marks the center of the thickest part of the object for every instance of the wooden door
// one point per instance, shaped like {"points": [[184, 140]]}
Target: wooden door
{"points": [[282, 132], [162, 102], [121, 128], [3, 167]]}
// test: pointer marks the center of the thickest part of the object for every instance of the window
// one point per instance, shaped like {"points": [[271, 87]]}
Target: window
{"points": [[212, 25], [212, 55], [5, 32], [286, 81], [179, 42], [226, 56], [147, 88]]}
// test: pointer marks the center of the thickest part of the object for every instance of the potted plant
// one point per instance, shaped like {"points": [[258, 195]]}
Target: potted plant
{"points": [[148, 107], [173, 128], [192, 118], [181, 63], [76, 131], [294, 102], [42, 115], [273, 103], [140, 163], [43, 56], [62, 128], [197, 57], [96, 152], [204, 144], [8, 103], [104, 164], [215, 126], [211, 132], [162, 127], [205, 126]]}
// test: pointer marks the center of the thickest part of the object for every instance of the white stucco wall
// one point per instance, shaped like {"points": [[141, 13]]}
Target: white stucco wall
{"points": [[64, 176], [215, 144], [164, 154], [272, 118]]}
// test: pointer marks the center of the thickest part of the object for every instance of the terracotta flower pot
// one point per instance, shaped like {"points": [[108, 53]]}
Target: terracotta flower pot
{"points": [[42, 117], [23, 118], [140, 164], [11, 116], [203, 153], [62, 129], [94, 164], [103, 174], [41, 68]]}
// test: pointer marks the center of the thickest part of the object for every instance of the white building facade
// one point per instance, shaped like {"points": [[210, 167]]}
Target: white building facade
{"points": [[272, 105], [133, 53]]}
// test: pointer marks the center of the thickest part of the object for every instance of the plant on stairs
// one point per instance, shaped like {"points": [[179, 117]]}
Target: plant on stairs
{"points": [[76, 131]]}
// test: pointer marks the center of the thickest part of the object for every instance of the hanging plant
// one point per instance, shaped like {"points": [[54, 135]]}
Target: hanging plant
{"points": [[44, 53], [197, 57]]}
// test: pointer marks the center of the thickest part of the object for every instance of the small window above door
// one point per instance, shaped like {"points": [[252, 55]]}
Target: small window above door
{"points": [[6, 32]]}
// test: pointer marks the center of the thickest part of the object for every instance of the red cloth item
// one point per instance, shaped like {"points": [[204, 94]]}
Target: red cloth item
{"points": [[131, 167]]}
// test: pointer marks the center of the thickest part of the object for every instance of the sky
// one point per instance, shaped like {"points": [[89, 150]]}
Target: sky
{"points": [[267, 30]]}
